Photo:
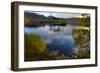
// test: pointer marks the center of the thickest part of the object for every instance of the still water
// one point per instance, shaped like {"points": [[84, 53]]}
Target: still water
{"points": [[58, 37]]}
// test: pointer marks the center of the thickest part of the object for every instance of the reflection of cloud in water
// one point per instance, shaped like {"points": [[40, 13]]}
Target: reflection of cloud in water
{"points": [[61, 41], [46, 30], [49, 41]]}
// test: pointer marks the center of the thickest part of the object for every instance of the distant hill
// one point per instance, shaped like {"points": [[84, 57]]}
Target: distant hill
{"points": [[33, 15], [73, 21], [35, 18]]}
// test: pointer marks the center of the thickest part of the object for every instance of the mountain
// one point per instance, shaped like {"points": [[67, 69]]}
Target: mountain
{"points": [[41, 19], [34, 16], [51, 17]]}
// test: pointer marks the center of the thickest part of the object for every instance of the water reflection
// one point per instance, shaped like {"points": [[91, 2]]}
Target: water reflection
{"points": [[57, 37]]}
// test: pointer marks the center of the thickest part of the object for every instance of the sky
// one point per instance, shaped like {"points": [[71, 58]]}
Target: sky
{"points": [[57, 14]]}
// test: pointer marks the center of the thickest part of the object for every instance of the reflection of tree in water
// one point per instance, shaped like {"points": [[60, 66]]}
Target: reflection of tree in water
{"points": [[57, 28]]}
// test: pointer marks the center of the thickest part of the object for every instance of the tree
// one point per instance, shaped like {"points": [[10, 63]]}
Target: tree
{"points": [[82, 42], [27, 20], [38, 44], [82, 37], [85, 20], [34, 45]]}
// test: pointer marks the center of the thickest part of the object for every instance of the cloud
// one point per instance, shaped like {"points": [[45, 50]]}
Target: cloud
{"points": [[56, 14]]}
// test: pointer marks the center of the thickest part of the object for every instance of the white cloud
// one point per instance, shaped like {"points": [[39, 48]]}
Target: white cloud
{"points": [[57, 14]]}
